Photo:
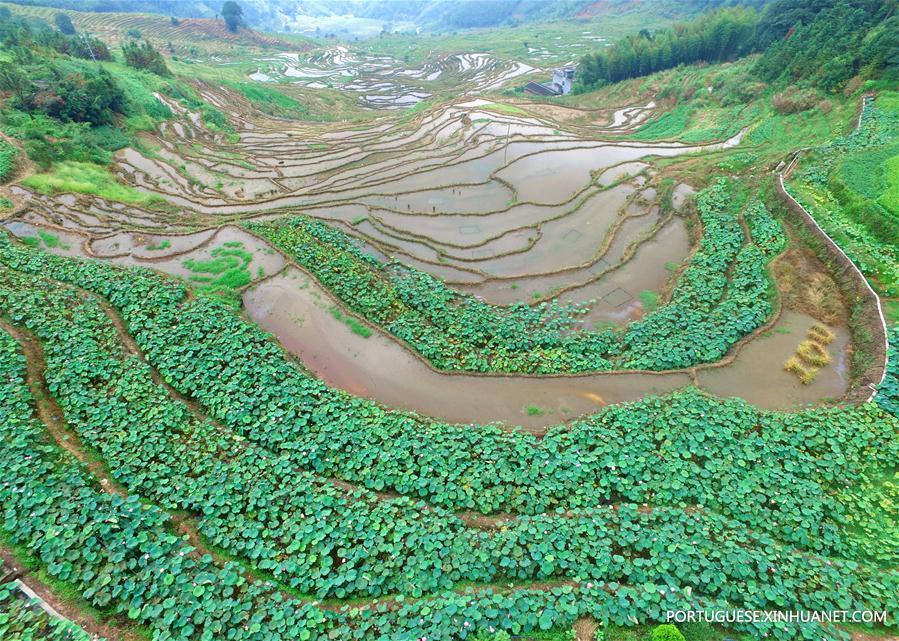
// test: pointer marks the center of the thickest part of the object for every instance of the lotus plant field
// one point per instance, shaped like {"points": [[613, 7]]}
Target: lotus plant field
{"points": [[342, 343]]}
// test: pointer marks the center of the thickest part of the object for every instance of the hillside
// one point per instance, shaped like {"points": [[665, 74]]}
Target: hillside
{"points": [[432, 15], [339, 339], [186, 36]]}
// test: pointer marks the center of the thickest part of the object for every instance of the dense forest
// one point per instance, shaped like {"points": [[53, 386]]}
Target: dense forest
{"points": [[824, 41], [722, 34], [829, 46]]}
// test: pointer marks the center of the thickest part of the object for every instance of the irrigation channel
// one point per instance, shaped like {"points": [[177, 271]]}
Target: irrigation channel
{"points": [[509, 207]]}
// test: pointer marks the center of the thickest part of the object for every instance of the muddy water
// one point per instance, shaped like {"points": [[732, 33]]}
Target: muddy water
{"points": [[295, 309], [136, 248], [758, 375]]}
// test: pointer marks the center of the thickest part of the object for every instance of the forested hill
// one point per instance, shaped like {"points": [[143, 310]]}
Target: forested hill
{"points": [[822, 42], [436, 15]]}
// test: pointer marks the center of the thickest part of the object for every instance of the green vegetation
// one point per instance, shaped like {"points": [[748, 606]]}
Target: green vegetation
{"points": [[824, 46], [649, 299], [226, 271], [201, 483], [720, 35], [888, 394], [848, 186], [511, 110], [722, 296], [91, 110], [87, 178], [269, 100], [667, 632], [144, 56], [8, 154], [357, 327], [22, 619], [734, 540], [50, 240], [165, 243], [826, 43]]}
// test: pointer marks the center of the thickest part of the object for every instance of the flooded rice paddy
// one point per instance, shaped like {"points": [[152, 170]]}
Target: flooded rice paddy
{"points": [[290, 304], [503, 203], [384, 83]]}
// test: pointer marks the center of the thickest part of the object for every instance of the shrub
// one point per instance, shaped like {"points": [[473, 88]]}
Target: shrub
{"points": [[667, 632], [47, 140], [69, 94]]}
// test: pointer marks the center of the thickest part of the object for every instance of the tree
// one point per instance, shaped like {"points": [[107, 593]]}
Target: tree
{"points": [[232, 14], [144, 56], [712, 37], [64, 24]]}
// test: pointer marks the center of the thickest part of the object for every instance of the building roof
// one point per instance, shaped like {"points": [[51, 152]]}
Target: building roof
{"points": [[541, 90]]}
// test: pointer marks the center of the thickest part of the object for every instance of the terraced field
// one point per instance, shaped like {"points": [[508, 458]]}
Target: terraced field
{"points": [[460, 367], [382, 82]]}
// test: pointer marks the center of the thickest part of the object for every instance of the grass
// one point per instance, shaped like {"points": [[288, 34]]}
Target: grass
{"points": [[534, 410], [891, 310], [649, 299], [50, 240], [87, 178], [270, 100], [668, 125], [223, 274], [355, 325], [890, 198], [511, 110], [164, 244]]}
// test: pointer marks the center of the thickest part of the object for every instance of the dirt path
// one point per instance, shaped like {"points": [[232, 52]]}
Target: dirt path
{"points": [[50, 413], [108, 629], [51, 416], [24, 168]]}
